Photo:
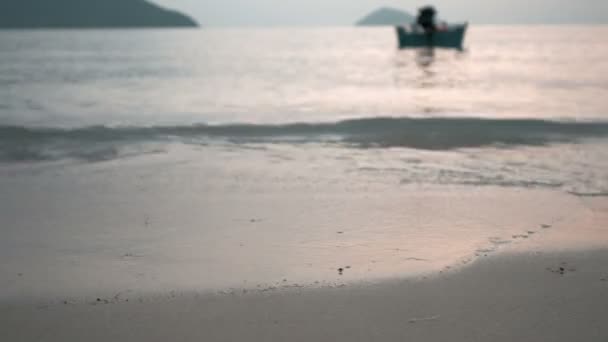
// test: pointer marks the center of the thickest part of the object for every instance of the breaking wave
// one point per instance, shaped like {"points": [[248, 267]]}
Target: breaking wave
{"points": [[101, 142]]}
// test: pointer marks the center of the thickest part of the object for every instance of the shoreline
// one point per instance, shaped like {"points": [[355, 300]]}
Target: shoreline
{"points": [[557, 296], [270, 250], [183, 223]]}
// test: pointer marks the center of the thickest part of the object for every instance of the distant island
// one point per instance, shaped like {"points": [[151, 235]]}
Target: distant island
{"points": [[386, 16], [88, 14]]}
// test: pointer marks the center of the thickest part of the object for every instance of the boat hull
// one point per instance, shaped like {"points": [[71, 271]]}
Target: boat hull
{"points": [[451, 38]]}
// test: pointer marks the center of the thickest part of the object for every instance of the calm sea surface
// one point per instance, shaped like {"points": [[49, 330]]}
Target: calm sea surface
{"points": [[148, 77], [521, 106]]}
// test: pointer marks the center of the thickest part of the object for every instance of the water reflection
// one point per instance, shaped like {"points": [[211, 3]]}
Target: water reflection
{"points": [[415, 69], [428, 68], [425, 57], [430, 79]]}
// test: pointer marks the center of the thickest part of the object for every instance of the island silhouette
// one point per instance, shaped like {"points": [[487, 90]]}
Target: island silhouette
{"points": [[386, 16], [15, 14]]}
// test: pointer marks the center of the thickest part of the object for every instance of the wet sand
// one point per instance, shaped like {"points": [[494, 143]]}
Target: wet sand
{"points": [[149, 250], [535, 296], [155, 225]]}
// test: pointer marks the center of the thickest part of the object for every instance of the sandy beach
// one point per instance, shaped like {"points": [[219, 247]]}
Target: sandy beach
{"points": [[101, 258], [154, 224], [508, 297]]}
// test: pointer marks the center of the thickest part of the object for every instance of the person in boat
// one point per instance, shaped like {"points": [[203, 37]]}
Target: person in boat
{"points": [[426, 19]]}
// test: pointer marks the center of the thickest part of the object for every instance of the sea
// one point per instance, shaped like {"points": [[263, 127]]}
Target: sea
{"points": [[123, 150]]}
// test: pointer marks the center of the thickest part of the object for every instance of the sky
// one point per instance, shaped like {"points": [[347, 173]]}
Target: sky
{"points": [[346, 12]]}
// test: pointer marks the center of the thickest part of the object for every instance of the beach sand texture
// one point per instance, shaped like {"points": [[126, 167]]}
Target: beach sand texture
{"points": [[502, 298]]}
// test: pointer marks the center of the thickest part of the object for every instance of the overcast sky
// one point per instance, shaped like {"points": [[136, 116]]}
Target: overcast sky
{"points": [[346, 12]]}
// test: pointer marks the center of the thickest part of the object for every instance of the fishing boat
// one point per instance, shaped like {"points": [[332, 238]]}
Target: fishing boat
{"points": [[447, 36]]}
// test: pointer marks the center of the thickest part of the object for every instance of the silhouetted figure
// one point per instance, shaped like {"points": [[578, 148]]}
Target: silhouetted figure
{"points": [[426, 19]]}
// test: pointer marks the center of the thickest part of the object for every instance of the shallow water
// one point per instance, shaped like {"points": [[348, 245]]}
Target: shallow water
{"points": [[223, 220]]}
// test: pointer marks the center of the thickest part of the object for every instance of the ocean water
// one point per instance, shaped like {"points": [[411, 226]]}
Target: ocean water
{"points": [[521, 106], [195, 159]]}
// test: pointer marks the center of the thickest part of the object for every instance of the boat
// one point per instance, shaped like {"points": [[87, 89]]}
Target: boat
{"points": [[447, 36]]}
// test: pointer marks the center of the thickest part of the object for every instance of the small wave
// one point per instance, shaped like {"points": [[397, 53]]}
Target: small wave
{"points": [[23, 143], [589, 194]]}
